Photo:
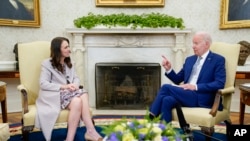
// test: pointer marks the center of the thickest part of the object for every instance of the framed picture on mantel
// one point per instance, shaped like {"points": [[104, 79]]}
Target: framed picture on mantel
{"points": [[235, 14], [24, 13], [130, 3]]}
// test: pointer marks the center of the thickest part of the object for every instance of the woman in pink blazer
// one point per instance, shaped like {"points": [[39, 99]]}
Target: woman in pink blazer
{"points": [[59, 89]]}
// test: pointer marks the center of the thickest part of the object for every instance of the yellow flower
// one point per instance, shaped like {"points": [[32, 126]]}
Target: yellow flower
{"points": [[128, 136], [143, 131], [143, 121], [119, 128]]}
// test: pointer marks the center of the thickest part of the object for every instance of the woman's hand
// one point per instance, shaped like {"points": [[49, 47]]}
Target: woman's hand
{"points": [[71, 87]]}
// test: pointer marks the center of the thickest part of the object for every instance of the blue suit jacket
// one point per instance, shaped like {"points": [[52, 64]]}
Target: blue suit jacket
{"points": [[211, 78]]}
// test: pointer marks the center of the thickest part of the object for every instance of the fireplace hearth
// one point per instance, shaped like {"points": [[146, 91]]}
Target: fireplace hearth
{"points": [[126, 85]]}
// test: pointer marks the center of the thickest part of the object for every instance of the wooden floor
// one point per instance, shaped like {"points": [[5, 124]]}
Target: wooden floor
{"points": [[16, 118]]}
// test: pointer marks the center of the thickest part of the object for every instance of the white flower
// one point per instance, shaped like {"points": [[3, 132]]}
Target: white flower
{"points": [[157, 130], [157, 138]]}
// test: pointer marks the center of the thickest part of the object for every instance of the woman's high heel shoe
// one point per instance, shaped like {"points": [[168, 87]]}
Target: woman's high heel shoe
{"points": [[90, 138]]}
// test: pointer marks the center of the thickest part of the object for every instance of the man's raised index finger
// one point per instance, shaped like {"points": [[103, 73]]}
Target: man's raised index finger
{"points": [[164, 57]]}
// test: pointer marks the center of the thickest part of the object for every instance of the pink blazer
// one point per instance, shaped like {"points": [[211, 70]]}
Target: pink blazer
{"points": [[48, 101]]}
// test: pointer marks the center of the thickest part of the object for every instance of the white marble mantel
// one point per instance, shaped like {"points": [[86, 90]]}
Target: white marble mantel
{"points": [[125, 45]]}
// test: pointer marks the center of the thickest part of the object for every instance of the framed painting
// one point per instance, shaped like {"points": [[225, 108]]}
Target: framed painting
{"points": [[24, 13], [130, 3], [235, 14]]}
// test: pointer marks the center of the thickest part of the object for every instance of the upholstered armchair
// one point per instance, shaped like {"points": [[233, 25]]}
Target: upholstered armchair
{"points": [[30, 56], [204, 117]]}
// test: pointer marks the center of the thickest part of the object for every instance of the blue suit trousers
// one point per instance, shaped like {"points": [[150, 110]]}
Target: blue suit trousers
{"points": [[167, 98]]}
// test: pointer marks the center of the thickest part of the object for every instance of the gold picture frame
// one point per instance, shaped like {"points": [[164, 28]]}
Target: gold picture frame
{"points": [[25, 13], [130, 3], [233, 14]]}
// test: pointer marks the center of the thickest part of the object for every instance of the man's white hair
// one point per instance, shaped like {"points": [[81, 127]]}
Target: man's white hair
{"points": [[206, 36]]}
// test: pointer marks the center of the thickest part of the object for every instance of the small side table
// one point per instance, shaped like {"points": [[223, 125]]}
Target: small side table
{"points": [[3, 101], [244, 100]]}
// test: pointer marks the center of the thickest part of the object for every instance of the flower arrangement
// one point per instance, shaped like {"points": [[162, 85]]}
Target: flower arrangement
{"points": [[141, 130]]}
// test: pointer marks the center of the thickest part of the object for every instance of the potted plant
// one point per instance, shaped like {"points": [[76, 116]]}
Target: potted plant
{"points": [[150, 20]]}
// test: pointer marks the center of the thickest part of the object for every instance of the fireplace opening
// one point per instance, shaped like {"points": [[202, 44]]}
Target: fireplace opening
{"points": [[126, 85]]}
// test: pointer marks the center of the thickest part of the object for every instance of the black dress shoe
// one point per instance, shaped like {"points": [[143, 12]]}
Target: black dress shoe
{"points": [[151, 116]]}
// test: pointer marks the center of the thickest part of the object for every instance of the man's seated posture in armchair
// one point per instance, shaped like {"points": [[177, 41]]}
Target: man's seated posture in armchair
{"points": [[196, 84]]}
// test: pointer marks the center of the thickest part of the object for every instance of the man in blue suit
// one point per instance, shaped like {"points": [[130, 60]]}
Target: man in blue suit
{"points": [[195, 85]]}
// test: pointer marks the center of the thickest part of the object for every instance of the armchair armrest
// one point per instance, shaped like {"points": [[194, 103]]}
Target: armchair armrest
{"points": [[221, 92], [24, 95], [227, 90]]}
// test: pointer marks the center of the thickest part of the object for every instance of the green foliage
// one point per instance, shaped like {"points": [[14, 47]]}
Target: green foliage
{"points": [[151, 20]]}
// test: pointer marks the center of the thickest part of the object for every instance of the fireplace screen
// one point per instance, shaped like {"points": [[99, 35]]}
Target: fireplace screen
{"points": [[126, 85]]}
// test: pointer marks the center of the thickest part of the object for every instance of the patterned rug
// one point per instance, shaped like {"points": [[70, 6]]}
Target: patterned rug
{"points": [[100, 120]]}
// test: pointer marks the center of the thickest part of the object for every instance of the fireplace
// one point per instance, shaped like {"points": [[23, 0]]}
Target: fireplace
{"points": [[126, 85], [122, 46]]}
